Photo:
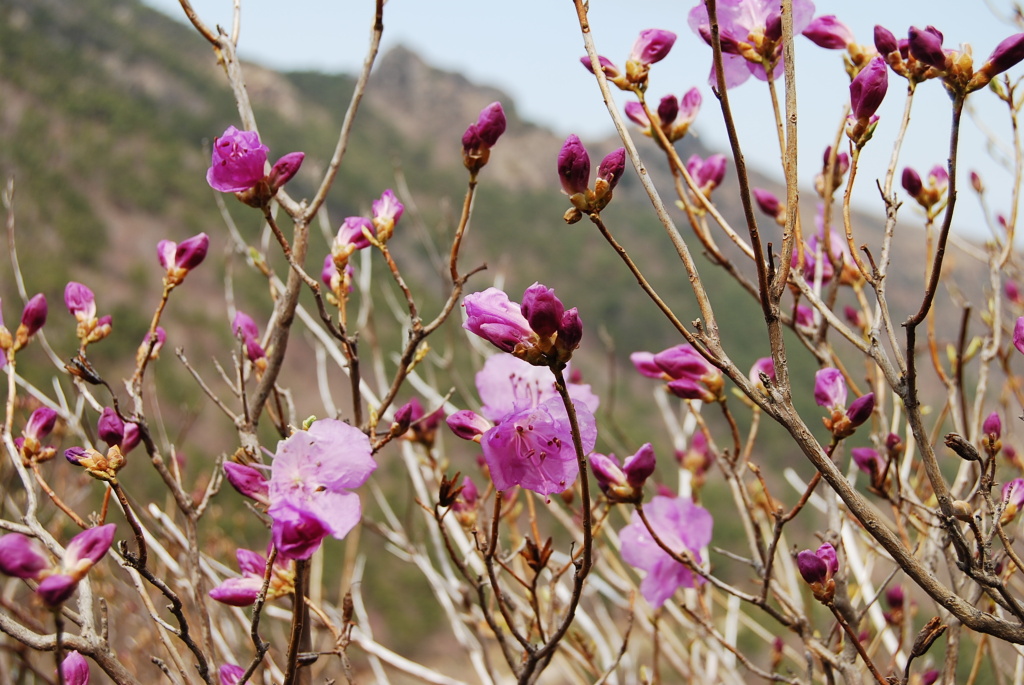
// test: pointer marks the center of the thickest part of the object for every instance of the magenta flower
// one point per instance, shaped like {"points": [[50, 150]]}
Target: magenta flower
{"points": [[652, 45], [762, 367], [1018, 334], [674, 116], [624, 484], [57, 583], [926, 46], [38, 427], [683, 527], [75, 669], [768, 203], [707, 173], [911, 182], [748, 44], [607, 66], [1007, 54], [33, 317], [386, 213], [249, 481], [230, 674], [993, 425], [817, 569], [22, 556], [689, 375], [868, 88], [505, 324], [885, 41], [872, 463], [533, 448], [80, 301], [113, 431], [238, 161], [507, 384], [530, 444], [573, 166], [284, 169], [829, 33], [480, 137], [178, 259], [311, 479], [243, 591], [352, 235], [1013, 499], [830, 388]]}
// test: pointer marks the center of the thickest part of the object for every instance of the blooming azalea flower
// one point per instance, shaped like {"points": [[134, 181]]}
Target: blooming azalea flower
{"points": [[243, 591], [683, 527], [311, 481]]}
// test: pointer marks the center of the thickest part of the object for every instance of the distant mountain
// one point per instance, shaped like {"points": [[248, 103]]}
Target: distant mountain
{"points": [[105, 109]]}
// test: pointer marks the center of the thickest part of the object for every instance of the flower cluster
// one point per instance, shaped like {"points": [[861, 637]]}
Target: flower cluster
{"points": [[357, 233], [540, 331], [929, 196], [651, 46], [178, 259], [480, 137], [707, 173], [574, 174], [238, 165], [81, 302], [681, 526], [830, 392], [23, 557], [30, 444], [673, 116], [625, 484], [116, 433], [689, 375], [921, 56], [524, 428]]}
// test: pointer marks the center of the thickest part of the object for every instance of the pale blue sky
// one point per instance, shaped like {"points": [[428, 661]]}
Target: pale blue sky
{"points": [[531, 49]]}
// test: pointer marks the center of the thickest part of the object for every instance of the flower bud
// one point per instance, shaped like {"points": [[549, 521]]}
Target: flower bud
{"points": [[22, 556], [468, 425], [386, 213], [911, 182], [1018, 334], [33, 316], [284, 169], [926, 46], [573, 166], [607, 66], [639, 467], [80, 301], [635, 112], [868, 89], [480, 137], [1007, 54], [248, 481], [75, 669], [611, 168], [860, 409], [885, 41], [542, 309], [993, 425], [652, 46], [830, 388], [829, 33]]}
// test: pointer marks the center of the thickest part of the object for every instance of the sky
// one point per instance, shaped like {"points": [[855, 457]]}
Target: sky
{"points": [[531, 49]]}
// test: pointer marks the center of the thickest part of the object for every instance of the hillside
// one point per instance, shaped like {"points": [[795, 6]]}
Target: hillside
{"points": [[107, 107]]}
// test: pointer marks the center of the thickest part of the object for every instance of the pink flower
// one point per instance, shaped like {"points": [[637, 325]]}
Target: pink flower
{"points": [[481, 136], [1018, 334], [531, 443], [33, 317], [868, 89], [817, 569], [828, 32], [177, 259], [830, 388], [689, 375], [243, 591], [22, 556], [248, 481], [311, 478], [652, 45], [683, 527], [624, 484], [230, 674], [573, 166], [707, 173], [386, 213], [284, 169], [505, 324], [745, 35], [238, 161], [80, 301], [75, 669]]}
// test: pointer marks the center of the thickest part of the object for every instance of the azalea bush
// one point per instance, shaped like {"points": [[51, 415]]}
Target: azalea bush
{"points": [[546, 555]]}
